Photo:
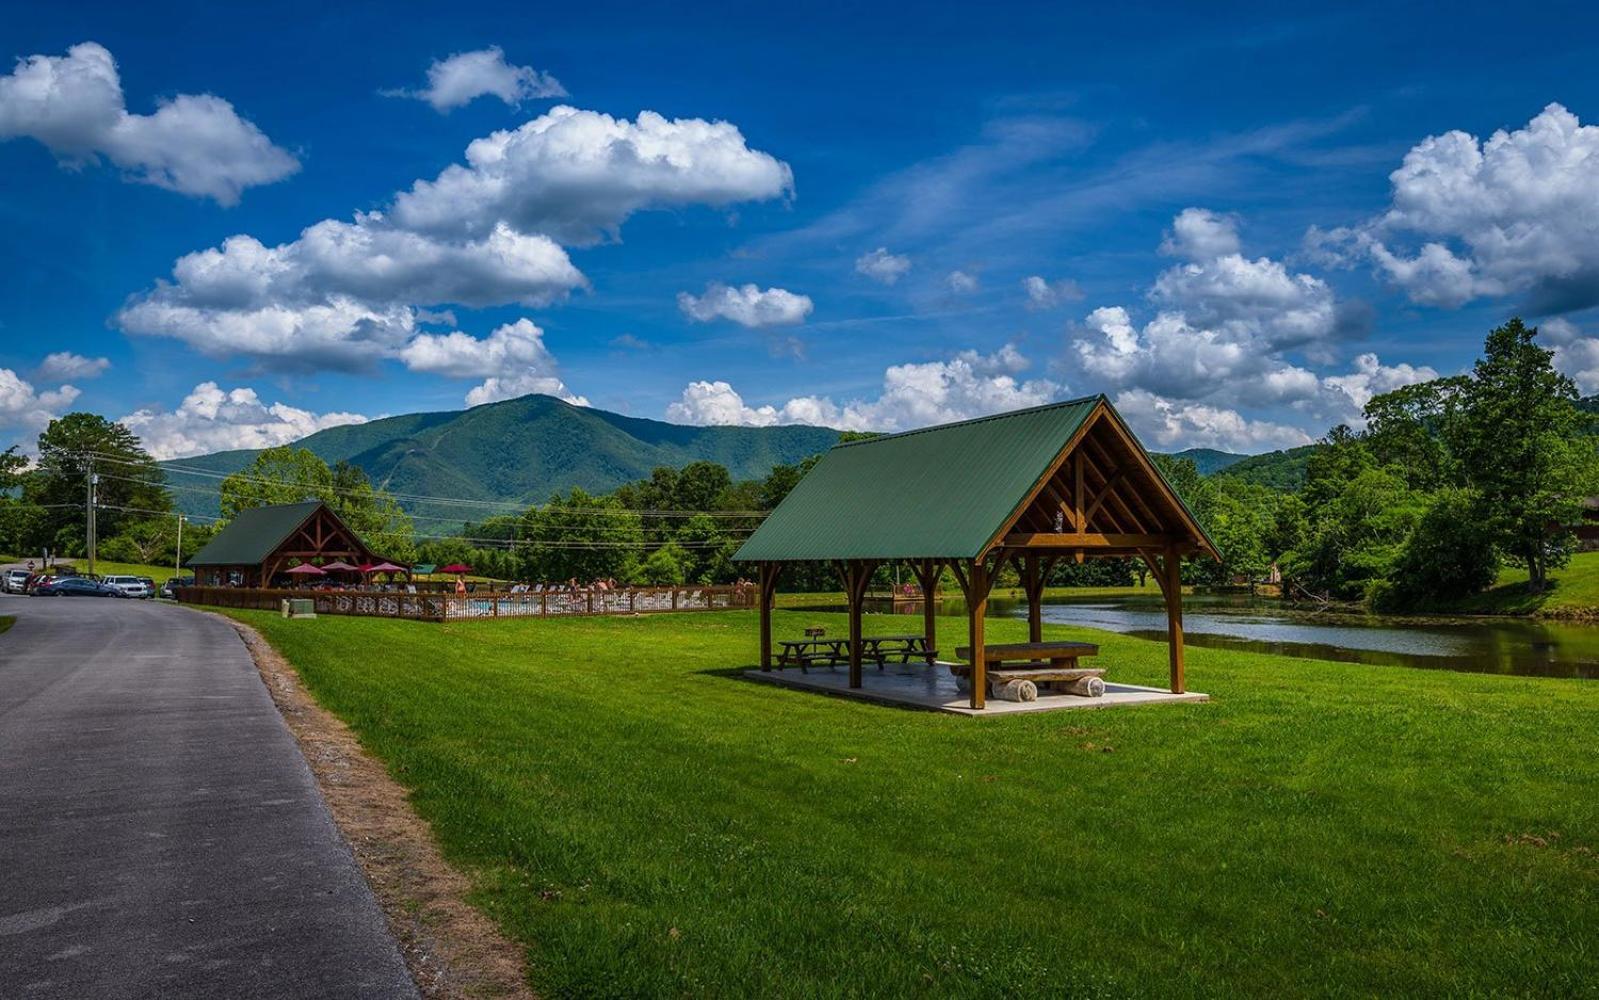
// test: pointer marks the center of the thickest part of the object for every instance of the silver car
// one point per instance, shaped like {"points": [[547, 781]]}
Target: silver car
{"points": [[133, 586], [16, 581]]}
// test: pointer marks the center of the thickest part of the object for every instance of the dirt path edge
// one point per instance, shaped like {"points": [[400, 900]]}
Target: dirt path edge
{"points": [[452, 949]]}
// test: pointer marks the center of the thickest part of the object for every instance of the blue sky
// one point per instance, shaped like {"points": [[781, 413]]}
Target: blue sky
{"points": [[1236, 224]]}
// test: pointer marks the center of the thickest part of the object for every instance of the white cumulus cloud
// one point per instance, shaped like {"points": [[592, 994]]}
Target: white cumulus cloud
{"points": [[1371, 377], [1514, 214], [1223, 325], [215, 419], [746, 305], [465, 76], [26, 408], [347, 294], [576, 175], [65, 365], [968, 385], [1199, 234], [343, 295], [882, 266], [1250, 299], [512, 361], [1166, 424], [194, 144], [1576, 352]]}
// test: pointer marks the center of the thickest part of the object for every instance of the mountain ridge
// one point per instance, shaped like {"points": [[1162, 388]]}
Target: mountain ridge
{"points": [[516, 451], [521, 451]]}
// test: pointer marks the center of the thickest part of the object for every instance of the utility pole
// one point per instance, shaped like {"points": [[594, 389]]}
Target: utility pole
{"points": [[91, 480], [177, 563]]}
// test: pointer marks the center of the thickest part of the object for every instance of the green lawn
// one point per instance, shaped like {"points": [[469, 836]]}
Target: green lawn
{"points": [[650, 823], [6, 621], [1575, 592]]}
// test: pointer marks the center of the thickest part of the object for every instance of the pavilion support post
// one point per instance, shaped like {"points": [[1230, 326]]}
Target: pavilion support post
{"points": [[976, 607], [1033, 584], [769, 574], [1172, 568], [855, 574], [927, 579]]}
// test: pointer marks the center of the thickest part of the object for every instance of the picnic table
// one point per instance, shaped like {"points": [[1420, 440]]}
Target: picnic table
{"points": [[816, 651], [906, 647], [820, 651], [1043, 665]]}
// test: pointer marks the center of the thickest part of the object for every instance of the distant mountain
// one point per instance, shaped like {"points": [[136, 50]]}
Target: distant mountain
{"points": [[1209, 460], [1281, 470], [521, 450]]}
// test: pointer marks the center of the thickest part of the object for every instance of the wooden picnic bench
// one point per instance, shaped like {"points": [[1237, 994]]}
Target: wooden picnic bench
{"points": [[1044, 665], [814, 652], [819, 651], [905, 647]]}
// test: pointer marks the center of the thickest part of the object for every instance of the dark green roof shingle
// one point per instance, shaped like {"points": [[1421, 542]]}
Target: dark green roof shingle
{"points": [[938, 492], [253, 534]]}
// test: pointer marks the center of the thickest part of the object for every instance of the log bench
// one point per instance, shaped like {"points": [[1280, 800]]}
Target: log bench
{"points": [[1018, 671]]}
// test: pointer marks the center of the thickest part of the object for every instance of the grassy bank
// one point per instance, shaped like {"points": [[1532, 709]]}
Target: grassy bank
{"points": [[651, 823], [6, 621], [1574, 592], [105, 567]]}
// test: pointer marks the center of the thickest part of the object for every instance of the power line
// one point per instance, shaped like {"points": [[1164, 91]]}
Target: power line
{"points": [[525, 532], [508, 505]]}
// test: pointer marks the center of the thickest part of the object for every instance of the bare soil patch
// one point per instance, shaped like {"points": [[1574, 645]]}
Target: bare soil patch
{"points": [[451, 948]]}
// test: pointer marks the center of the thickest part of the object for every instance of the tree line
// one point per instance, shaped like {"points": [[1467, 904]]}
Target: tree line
{"points": [[1448, 481]]}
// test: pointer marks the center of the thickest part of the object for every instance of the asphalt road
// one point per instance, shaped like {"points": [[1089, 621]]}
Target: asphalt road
{"points": [[160, 833]]}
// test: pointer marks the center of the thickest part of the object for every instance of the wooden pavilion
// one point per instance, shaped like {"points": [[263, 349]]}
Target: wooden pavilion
{"points": [[1032, 487], [261, 542]]}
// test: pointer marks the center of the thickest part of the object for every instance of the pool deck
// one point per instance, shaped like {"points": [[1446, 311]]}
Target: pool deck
{"points": [[920, 686]]}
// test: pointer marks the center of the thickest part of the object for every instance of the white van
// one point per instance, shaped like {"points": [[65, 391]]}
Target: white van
{"points": [[133, 586]]}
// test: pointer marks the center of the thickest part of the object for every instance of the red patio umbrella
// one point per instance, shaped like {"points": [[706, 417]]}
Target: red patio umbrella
{"points": [[304, 569], [455, 568], [341, 567], [383, 567]]}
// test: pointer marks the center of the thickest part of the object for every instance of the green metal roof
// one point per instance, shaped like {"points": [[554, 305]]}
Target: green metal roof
{"points": [[938, 492], [253, 534]]}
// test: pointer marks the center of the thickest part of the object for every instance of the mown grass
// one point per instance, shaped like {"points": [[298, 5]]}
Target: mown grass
{"points": [[1574, 591], [105, 567], [6, 621], [651, 823]]}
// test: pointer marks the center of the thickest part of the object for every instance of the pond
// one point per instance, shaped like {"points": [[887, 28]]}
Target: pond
{"points": [[1478, 645]]}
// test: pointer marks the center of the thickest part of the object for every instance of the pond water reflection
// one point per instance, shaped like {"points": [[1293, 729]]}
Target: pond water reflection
{"points": [[1477, 645]]}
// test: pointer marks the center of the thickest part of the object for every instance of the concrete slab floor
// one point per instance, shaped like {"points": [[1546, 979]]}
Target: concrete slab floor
{"points": [[933, 687]]}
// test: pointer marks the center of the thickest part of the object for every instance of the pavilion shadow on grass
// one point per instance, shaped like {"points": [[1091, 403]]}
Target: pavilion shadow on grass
{"points": [[1064, 481]]}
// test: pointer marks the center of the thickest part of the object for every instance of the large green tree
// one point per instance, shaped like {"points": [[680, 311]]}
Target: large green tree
{"points": [[290, 475], [17, 519], [132, 487], [1524, 446], [1411, 428], [580, 536]]}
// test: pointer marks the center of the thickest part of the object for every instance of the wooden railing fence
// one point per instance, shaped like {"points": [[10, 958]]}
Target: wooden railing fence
{"points": [[481, 605]]}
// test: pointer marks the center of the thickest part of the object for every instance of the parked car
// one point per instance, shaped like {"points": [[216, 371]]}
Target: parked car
{"points": [[77, 586], [133, 586], [168, 588], [16, 581]]}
